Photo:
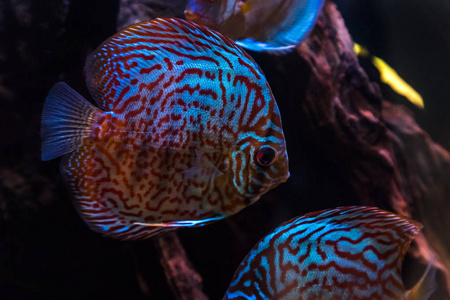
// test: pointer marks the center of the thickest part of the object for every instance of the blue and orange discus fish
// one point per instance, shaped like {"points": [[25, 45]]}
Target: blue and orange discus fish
{"points": [[259, 25], [343, 253], [188, 131]]}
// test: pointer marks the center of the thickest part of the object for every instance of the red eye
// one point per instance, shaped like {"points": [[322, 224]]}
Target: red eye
{"points": [[266, 156]]}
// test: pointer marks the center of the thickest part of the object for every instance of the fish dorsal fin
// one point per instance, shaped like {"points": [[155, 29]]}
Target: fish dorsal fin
{"points": [[143, 53], [378, 230]]}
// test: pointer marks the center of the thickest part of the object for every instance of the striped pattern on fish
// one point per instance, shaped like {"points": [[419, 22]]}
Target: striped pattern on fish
{"points": [[342, 253], [186, 113]]}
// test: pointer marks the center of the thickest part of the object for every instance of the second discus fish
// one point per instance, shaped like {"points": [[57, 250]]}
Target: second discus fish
{"points": [[335, 254], [259, 25]]}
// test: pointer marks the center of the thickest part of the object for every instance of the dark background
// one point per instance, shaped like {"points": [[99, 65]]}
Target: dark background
{"points": [[46, 250], [413, 38]]}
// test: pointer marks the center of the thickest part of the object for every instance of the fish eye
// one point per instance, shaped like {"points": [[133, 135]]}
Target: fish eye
{"points": [[266, 156]]}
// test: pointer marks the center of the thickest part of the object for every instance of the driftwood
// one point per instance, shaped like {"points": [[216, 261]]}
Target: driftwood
{"points": [[389, 161], [346, 145], [184, 281]]}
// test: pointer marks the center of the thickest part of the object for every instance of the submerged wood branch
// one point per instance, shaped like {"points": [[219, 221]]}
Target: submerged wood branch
{"points": [[183, 279]]}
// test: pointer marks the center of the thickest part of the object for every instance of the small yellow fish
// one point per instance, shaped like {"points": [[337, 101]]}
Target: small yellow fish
{"points": [[390, 77], [258, 25]]}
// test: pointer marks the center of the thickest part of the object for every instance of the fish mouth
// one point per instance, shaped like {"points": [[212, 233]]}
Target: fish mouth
{"points": [[279, 181], [252, 198]]}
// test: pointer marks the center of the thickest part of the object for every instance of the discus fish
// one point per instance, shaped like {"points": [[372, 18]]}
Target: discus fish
{"points": [[343, 253], [188, 131], [258, 25]]}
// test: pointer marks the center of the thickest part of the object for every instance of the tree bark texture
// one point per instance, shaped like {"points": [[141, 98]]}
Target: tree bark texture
{"points": [[184, 281]]}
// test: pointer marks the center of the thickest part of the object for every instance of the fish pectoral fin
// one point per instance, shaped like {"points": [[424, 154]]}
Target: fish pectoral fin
{"points": [[426, 285], [184, 223], [66, 119], [203, 167]]}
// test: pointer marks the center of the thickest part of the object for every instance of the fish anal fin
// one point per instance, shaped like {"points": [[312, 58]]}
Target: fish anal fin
{"points": [[66, 120], [182, 223], [129, 232], [257, 46]]}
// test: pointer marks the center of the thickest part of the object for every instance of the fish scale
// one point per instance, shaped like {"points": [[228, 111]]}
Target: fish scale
{"points": [[343, 253], [185, 112]]}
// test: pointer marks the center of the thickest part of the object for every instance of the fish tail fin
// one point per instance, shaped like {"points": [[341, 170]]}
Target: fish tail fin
{"points": [[66, 120], [426, 285]]}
